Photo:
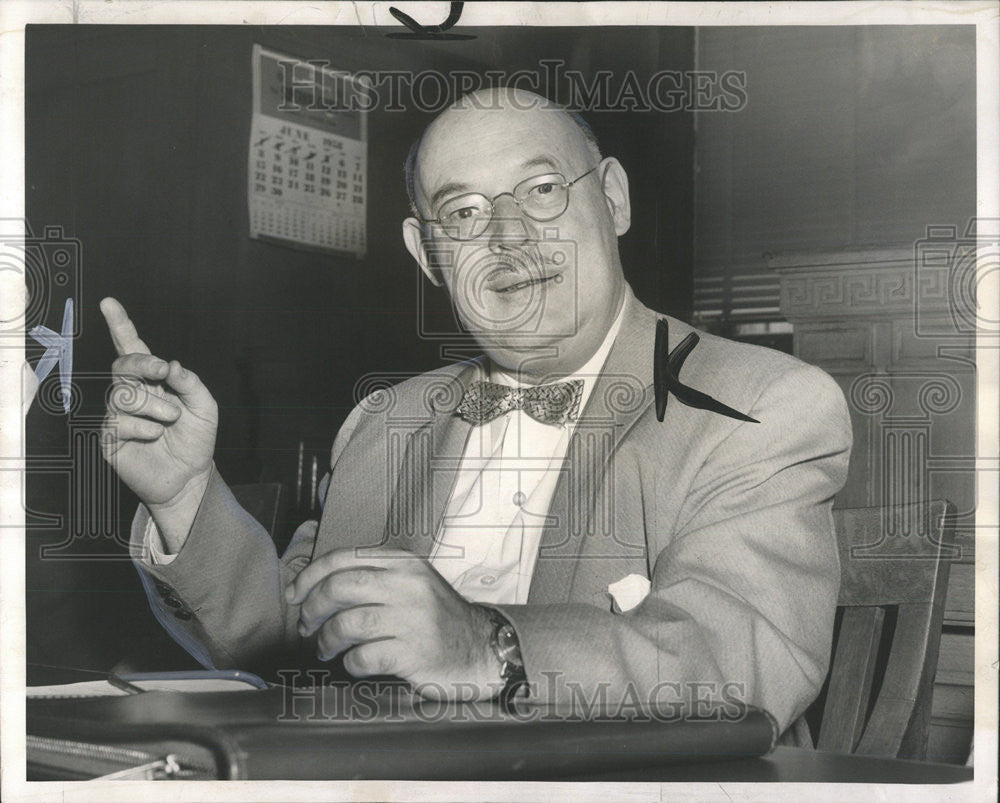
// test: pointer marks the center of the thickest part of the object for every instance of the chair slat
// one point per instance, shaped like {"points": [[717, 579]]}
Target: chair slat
{"points": [[888, 558], [847, 700], [895, 726]]}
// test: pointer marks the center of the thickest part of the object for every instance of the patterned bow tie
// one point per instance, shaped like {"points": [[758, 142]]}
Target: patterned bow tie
{"points": [[549, 404]]}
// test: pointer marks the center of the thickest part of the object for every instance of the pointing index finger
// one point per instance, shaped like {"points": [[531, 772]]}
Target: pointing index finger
{"points": [[123, 331]]}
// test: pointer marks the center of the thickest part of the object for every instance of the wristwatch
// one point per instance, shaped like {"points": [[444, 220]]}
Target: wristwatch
{"points": [[507, 649]]}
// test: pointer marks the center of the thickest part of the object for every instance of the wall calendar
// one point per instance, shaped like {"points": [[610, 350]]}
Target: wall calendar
{"points": [[308, 155]]}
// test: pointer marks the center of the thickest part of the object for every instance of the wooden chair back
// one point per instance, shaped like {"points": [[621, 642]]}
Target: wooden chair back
{"points": [[894, 575]]}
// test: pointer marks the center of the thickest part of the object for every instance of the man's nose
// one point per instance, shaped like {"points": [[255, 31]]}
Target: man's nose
{"points": [[509, 226]]}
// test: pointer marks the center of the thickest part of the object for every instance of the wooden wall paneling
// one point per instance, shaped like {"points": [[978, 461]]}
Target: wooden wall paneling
{"points": [[878, 321], [953, 709]]}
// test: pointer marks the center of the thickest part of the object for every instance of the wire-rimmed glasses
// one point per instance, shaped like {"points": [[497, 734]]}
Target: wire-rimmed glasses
{"points": [[541, 198]]}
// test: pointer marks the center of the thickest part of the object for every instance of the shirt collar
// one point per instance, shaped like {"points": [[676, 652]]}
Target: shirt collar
{"points": [[588, 372]]}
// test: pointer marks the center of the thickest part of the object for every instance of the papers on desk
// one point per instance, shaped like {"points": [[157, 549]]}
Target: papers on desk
{"points": [[207, 681]]}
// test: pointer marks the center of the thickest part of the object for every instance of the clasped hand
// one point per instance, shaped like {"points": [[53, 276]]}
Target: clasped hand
{"points": [[394, 614]]}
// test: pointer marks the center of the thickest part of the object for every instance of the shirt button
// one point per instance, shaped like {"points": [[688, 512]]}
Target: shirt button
{"points": [[520, 499], [182, 614], [487, 579]]}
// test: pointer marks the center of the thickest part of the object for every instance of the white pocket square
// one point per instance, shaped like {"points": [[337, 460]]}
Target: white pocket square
{"points": [[628, 592]]}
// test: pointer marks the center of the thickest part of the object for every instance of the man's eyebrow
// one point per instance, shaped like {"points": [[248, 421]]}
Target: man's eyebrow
{"points": [[448, 189], [453, 187], [539, 161]]}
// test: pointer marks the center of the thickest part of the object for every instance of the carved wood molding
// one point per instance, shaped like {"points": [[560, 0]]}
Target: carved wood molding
{"points": [[885, 283]]}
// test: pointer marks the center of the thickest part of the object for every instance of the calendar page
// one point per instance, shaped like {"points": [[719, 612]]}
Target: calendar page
{"points": [[308, 156]]}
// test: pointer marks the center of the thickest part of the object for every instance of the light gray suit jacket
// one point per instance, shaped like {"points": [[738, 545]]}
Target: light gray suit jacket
{"points": [[731, 521]]}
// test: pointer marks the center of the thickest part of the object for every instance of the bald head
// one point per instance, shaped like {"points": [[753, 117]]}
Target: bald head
{"points": [[496, 100], [517, 215]]}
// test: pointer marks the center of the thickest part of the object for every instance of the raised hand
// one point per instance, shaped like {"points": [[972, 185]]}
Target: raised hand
{"points": [[159, 431]]}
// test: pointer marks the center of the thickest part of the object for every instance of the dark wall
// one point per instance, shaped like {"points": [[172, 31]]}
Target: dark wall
{"points": [[852, 137], [136, 144]]}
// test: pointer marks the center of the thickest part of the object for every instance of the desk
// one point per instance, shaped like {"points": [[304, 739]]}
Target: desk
{"points": [[331, 734], [797, 765]]}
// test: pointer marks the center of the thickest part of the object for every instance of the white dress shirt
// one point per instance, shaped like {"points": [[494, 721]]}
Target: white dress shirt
{"points": [[492, 525], [488, 540]]}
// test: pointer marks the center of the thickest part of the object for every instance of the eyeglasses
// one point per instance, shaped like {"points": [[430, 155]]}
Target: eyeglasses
{"points": [[541, 198]]}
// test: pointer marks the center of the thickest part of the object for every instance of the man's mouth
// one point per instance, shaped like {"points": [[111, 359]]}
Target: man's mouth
{"points": [[513, 288], [513, 274]]}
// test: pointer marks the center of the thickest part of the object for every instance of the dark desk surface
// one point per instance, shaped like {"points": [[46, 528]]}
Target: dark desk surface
{"points": [[795, 765], [261, 741]]}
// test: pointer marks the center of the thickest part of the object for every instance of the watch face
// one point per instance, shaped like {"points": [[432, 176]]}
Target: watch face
{"points": [[506, 637], [508, 646]]}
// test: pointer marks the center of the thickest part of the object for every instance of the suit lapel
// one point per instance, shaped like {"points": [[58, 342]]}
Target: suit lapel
{"points": [[583, 503], [424, 452], [430, 453]]}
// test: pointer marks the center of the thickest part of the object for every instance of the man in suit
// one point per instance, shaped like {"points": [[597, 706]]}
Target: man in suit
{"points": [[601, 506]]}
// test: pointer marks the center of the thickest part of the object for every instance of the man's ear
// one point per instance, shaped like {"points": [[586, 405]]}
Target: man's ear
{"points": [[413, 236], [614, 183]]}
